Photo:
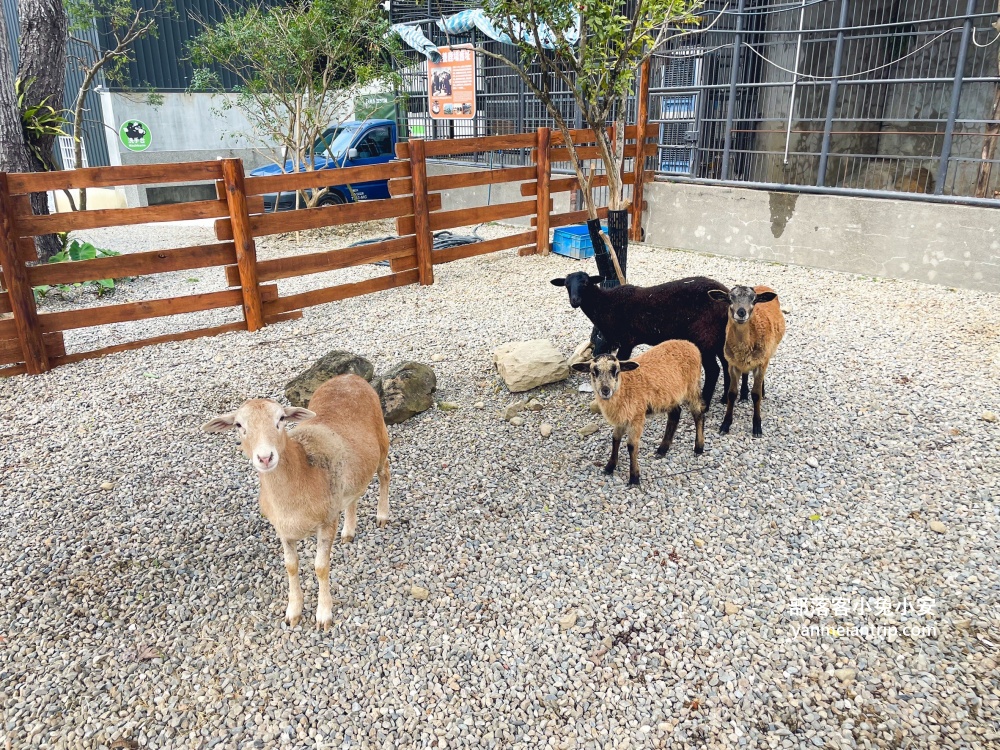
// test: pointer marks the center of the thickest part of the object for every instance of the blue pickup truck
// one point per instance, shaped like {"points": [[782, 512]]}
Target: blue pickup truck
{"points": [[350, 144]]}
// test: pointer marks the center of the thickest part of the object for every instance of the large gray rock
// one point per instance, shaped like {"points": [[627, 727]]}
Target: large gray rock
{"points": [[300, 389], [524, 365], [406, 390]]}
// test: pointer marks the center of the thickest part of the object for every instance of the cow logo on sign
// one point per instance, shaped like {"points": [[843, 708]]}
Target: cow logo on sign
{"points": [[135, 135]]}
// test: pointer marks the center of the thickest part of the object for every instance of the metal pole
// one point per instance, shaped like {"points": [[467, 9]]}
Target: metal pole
{"points": [[795, 79], [733, 79], [831, 105], [956, 95]]}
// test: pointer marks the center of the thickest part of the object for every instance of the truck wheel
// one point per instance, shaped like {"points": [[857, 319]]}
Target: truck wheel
{"points": [[331, 199]]}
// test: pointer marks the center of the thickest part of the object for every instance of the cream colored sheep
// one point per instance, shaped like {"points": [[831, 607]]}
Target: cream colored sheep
{"points": [[310, 475], [661, 379], [755, 328]]}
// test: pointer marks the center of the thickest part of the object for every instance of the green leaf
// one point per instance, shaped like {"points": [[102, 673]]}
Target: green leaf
{"points": [[815, 517]]}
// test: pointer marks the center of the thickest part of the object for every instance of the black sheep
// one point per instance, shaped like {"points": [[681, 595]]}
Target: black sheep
{"points": [[631, 315]]}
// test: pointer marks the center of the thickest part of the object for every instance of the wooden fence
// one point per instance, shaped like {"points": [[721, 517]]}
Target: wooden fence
{"points": [[32, 341]]}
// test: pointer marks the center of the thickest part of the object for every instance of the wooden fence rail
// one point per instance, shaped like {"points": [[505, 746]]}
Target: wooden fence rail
{"points": [[32, 342]]}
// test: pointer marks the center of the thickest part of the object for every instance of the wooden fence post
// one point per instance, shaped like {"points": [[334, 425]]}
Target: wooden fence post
{"points": [[246, 250], [421, 214], [641, 120], [542, 175], [19, 292]]}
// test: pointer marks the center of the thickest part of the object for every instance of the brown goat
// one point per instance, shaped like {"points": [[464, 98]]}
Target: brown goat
{"points": [[310, 475], [755, 328], [662, 379]]}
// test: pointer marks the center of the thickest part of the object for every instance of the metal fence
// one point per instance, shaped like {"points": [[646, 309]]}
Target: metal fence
{"points": [[877, 95], [504, 104], [871, 96]]}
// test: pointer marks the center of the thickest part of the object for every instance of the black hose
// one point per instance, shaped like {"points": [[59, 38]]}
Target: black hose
{"points": [[443, 239]]}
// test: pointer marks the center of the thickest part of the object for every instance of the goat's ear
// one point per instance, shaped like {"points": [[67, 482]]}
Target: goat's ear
{"points": [[221, 423], [581, 366], [765, 297], [298, 414], [596, 279], [718, 295], [628, 365], [558, 282]]}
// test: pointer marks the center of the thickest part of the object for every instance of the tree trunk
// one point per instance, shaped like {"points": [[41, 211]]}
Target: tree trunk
{"points": [[43, 72], [14, 153], [81, 95], [990, 142]]}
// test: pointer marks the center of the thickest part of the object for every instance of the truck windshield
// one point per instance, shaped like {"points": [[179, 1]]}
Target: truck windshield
{"points": [[335, 141]]}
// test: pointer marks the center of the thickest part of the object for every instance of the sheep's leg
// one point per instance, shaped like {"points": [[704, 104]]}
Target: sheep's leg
{"points": [[758, 395], [382, 514], [725, 383], [350, 522], [712, 377], [294, 611], [625, 352], [616, 444], [634, 435], [734, 380], [324, 541], [745, 387], [698, 412], [668, 435]]}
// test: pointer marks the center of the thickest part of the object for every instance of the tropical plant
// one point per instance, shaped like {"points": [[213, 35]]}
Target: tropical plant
{"points": [[40, 120], [74, 250]]}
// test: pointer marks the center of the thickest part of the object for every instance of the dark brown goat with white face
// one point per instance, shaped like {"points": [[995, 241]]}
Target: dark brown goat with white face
{"points": [[755, 328], [663, 379]]}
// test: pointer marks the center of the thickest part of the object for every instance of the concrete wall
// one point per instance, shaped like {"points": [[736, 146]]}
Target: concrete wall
{"points": [[185, 127], [940, 244], [508, 192]]}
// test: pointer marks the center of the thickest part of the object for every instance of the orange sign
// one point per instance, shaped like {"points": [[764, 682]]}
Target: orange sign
{"points": [[452, 84]]}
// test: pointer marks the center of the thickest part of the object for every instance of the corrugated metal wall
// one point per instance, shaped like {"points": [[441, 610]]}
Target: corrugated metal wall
{"points": [[93, 127], [94, 138], [162, 62], [11, 25]]}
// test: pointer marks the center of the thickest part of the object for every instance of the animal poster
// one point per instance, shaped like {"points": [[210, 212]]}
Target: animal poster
{"points": [[452, 84]]}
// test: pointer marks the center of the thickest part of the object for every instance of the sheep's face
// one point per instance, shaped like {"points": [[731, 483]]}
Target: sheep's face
{"points": [[605, 374], [575, 283], [741, 301], [260, 424]]}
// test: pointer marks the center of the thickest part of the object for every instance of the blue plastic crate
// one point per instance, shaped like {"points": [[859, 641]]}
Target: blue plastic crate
{"points": [[573, 242]]}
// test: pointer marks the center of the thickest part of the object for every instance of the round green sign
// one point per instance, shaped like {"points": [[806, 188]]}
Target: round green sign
{"points": [[135, 135]]}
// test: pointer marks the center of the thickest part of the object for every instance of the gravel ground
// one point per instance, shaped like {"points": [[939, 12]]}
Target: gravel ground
{"points": [[142, 593]]}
